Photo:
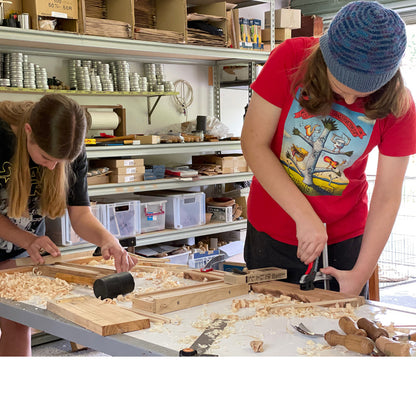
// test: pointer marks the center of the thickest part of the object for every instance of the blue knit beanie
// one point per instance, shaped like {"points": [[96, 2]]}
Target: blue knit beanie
{"points": [[364, 45]]}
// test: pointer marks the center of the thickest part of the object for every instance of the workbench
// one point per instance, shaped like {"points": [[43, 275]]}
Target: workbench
{"points": [[279, 338]]}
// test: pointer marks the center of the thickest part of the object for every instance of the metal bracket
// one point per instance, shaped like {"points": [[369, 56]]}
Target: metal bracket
{"points": [[150, 108]]}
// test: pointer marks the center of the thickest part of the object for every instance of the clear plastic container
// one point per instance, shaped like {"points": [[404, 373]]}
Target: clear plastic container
{"points": [[152, 213], [60, 231], [183, 209]]}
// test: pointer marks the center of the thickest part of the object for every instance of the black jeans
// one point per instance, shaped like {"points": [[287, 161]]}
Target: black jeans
{"points": [[261, 250]]}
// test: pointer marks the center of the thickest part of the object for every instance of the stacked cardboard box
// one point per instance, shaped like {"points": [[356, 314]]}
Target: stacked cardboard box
{"points": [[285, 21], [123, 170]]}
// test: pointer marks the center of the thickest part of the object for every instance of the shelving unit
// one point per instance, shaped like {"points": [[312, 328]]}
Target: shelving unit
{"points": [[67, 45]]}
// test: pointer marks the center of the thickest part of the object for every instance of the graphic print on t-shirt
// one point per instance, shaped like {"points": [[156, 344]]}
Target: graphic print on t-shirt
{"points": [[317, 149]]}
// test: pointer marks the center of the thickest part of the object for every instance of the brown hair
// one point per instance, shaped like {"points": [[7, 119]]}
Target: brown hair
{"points": [[316, 95], [58, 127]]}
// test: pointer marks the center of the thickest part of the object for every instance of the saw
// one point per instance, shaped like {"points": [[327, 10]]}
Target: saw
{"points": [[205, 340]]}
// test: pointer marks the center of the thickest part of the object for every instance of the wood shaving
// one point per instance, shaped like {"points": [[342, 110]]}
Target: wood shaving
{"points": [[312, 348], [263, 308], [257, 346], [26, 286]]}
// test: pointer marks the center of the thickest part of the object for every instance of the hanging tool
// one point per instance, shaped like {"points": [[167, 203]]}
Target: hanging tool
{"points": [[312, 275], [205, 340]]}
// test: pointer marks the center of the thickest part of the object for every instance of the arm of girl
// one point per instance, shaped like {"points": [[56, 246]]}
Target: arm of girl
{"points": [[89, 228], [385, 203]]}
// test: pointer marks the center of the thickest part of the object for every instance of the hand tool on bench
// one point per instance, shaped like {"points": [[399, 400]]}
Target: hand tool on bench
{"points": [[356, 343], [205, 340], [407, 337], [105, 285], [373, 331], [215, 260], [312, 275], [392, 348], [350, 327]]}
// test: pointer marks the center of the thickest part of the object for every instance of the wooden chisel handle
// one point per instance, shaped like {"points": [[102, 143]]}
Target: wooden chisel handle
{"points": [[350, 327], [393, 348], [373, 331], [356, 343]]}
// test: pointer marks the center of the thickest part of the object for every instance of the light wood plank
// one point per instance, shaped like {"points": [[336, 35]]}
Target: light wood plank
{"points": [[99, 317]]}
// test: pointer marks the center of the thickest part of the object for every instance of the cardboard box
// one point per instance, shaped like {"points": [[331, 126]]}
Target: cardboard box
{"points": [[228, 163], [311, 26], [285, 18], [138, 177], [222, 214], [149, 139], [116, 163], [130, 170], [64, 12], [280, 35], [98, 179]]}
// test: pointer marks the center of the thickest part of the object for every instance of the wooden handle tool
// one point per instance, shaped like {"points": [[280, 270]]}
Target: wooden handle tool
{"points": [[373, 331], [392, 348], [409, 337], [356, 343], [350, 327]]}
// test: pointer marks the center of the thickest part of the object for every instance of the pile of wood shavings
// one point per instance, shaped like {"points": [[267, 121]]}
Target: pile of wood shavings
{"points": [[161, 278], [265, 307], [25, 286]]}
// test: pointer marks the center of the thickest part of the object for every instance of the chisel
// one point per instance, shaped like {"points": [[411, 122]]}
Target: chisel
{"points": [[356, 343], [373, 331], [409, 337], [350, 327], [392, 348]]}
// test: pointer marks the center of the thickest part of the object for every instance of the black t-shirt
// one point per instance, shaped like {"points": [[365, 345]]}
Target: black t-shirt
{"points": [[77, 195]]}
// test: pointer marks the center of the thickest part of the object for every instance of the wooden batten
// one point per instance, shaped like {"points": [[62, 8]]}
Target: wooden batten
{"points": [[187, 297]]}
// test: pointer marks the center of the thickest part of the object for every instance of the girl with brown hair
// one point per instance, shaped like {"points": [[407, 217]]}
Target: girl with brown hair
{"points": [[319, 106], [43, 171]]}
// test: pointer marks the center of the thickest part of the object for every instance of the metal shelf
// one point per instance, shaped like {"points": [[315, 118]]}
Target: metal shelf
{"points": [[69, 45], [95, 151], [162, 184], [171, 235]]}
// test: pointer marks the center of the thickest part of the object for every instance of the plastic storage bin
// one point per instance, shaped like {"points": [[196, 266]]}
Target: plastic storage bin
{"points": [[183, 209], [121, 218], [152, 213], [60, 231]]}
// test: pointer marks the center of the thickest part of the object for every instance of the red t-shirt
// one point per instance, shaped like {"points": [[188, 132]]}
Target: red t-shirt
{"points": [[325, 156]]}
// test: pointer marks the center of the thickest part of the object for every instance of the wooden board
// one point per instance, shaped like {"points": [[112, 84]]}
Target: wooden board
{"points": [[292, 290], [27, 261], [97, 316], [183, 298], [78, 274], [256, 276]]}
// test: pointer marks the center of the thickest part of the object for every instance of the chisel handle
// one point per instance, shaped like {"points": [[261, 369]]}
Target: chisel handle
{"points": [[392, 348], [373, 331], [356, 343], [350, 327]]}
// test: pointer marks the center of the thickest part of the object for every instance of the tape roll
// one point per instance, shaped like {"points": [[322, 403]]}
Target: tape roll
{"points": [[104, 120]]}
